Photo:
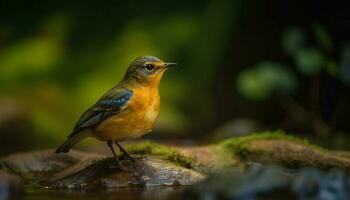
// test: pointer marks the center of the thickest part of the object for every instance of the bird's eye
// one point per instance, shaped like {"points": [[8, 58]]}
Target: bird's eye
{"points": [[149, 67]]}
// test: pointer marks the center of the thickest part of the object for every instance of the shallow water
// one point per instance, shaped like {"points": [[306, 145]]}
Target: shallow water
{"points": [[127, 193]]}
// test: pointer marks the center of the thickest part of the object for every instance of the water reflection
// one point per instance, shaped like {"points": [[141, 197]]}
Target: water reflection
{"points": [[273, 182], [127, 193]]}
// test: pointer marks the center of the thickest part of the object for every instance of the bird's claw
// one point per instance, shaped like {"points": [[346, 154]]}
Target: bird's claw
{"points": [[117, 165], [140, 157], [128, 157]]}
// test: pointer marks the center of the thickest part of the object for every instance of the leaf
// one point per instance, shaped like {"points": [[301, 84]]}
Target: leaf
{"points": [[333, 68], [259, 82], [278, 76], [309, 61], [322, 36], [252, 86], [293, 40]]}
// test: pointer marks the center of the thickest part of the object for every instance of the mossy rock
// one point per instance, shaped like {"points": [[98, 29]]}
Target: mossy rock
{"points": [[157, 164], [286, 150]]}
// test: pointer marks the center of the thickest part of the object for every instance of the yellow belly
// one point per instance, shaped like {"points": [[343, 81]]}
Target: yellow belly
{"points": [[125, 126], [136, 120]]}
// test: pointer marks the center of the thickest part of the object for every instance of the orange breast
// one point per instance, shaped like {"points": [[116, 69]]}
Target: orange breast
{"points": [[137, 119]]}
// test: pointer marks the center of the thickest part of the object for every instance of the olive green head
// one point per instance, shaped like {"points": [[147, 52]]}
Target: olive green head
{"points": [[147, 70]]}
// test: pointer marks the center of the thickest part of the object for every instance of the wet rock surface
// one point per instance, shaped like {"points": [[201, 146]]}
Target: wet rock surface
{"points": [[160, 165], [46, 160], [273, 182], [146, 171], [78, 170], [295, 155]]}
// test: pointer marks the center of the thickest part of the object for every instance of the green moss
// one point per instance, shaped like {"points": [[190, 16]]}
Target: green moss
{"points": [[168, 153], [238, 145]]}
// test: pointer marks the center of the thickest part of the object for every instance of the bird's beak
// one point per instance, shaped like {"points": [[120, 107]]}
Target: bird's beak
{"points": [[167, 65]]}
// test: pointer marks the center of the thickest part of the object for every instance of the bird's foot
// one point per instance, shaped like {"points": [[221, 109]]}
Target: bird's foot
{"points": [[140, 157], [128, 157], [119, 165]]}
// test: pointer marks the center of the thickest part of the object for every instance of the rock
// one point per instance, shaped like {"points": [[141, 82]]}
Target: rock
{"points": [[34, 166], [294, 155], [11, 186], [272, 182], [148, 171], [208, 159], [46, 160], [78, 169], [158, 164], [284, 150]]}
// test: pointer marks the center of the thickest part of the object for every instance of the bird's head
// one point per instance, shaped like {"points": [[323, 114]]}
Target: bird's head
{"points": [[147, 70]]}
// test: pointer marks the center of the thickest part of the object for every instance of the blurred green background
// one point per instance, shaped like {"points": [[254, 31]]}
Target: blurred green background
{"points": [[244, 66]]}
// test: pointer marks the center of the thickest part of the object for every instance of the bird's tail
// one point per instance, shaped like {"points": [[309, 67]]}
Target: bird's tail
{"points": [[70, 142]]}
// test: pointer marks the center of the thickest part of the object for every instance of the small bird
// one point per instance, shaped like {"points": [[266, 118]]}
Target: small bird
{"points": [[128, 110]]}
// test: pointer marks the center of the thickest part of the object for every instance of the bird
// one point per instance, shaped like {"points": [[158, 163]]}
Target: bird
{"points": [[127, 111]]}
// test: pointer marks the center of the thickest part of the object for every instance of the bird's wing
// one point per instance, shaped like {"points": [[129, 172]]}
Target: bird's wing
{"points": [[111, 103]]}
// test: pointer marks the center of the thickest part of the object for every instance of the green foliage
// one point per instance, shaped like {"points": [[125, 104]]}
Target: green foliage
{"points": [[333, 68], [309, 61], [322, 36], [30, 56], [33, 56], [168, 153], [293, 39], [260, 81]]}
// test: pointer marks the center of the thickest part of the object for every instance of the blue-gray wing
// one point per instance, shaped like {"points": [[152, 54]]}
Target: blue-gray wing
{"points": [[110, 104]]}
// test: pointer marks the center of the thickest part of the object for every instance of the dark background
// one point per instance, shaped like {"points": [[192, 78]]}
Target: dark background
{"points": [[244, 66]]}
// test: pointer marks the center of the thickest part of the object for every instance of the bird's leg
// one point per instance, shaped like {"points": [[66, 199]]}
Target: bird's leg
{"points": [[125, 153], [110, 145]]}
